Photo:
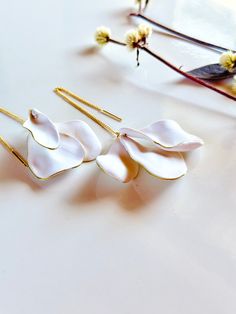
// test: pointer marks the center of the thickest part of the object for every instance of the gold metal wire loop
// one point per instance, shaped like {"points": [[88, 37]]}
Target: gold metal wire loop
{"points": [[13, 151], [62, 92], [12, 115], [5, 144], [87, 103]]}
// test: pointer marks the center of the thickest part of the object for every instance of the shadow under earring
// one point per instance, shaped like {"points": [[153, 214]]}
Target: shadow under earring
{"points": [[157, 148]]}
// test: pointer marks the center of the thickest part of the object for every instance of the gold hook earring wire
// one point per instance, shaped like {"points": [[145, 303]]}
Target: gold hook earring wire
{"points": [[61, 92], [12, 115], [6, 144], [87, 103], [14, 152]]}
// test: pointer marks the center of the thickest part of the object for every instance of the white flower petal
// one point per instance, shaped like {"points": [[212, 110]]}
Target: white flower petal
{"points": [[167, 135], [170, 136], [160, 163], [82, 132], [42, 129], [134, 133], [45, 163], [118, 164]]}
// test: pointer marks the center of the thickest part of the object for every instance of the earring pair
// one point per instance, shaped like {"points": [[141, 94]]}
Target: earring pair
{"points": [[56, 147]]}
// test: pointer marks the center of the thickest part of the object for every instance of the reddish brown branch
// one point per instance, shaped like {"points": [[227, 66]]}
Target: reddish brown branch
{"points": [[179, 34], [187, 75]]}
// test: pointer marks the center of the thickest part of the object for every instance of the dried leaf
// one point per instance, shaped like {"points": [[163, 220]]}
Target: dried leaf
{"points": [[212, 72]]}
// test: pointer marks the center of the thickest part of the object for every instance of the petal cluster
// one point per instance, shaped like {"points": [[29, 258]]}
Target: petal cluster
{"points": [[56, 147], [228, 60], [157, 148]]}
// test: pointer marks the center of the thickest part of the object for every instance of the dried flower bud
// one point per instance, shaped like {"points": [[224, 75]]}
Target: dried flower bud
{"points": [[228, 60], [132, 38], [102, 35], [144, 31]]}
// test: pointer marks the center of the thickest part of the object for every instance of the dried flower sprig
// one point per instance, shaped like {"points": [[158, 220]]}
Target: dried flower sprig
{"points": [[137, 38], [134, 41], [197, 41]]}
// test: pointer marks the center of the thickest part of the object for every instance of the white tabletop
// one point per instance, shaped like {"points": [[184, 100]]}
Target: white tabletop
{"points": [[82, 242]]}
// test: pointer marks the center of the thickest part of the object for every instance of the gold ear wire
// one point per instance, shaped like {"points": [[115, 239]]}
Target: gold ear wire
{"points": [[62, 90], [6, 144], [14, 152], [12, 115]]}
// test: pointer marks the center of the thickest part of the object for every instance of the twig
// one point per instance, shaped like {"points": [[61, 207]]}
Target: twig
{"points": [[179, 34], [116, 42], [187, 75], [175, 68]]}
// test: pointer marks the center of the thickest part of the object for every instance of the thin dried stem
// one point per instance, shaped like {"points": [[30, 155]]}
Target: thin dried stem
{"points": [[217, 48], [146, 4], [116, 42], [187, 75]]}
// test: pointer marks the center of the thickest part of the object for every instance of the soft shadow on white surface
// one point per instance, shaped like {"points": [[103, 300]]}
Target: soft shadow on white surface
{"points": [[168, 85], [13, 171], [132, 196]]}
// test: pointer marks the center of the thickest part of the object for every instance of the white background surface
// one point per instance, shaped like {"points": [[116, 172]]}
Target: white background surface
{"points": [[83, 243]]}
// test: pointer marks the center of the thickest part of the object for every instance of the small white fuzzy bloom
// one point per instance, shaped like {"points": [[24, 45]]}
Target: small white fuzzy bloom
{"points": [[144, 31], [228, 60], [102, 35], [234, 85], [132, 38]]}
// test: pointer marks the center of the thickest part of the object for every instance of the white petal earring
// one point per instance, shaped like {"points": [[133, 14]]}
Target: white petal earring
{"points": [[157, 148], [54, 147]]}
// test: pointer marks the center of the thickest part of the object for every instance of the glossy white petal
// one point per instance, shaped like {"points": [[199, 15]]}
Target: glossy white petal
{"points": [[42, 129], [135, 134], [160, 163], [171, 136], [82, 132], [118, 164], [167, 134], [45, 163]]}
